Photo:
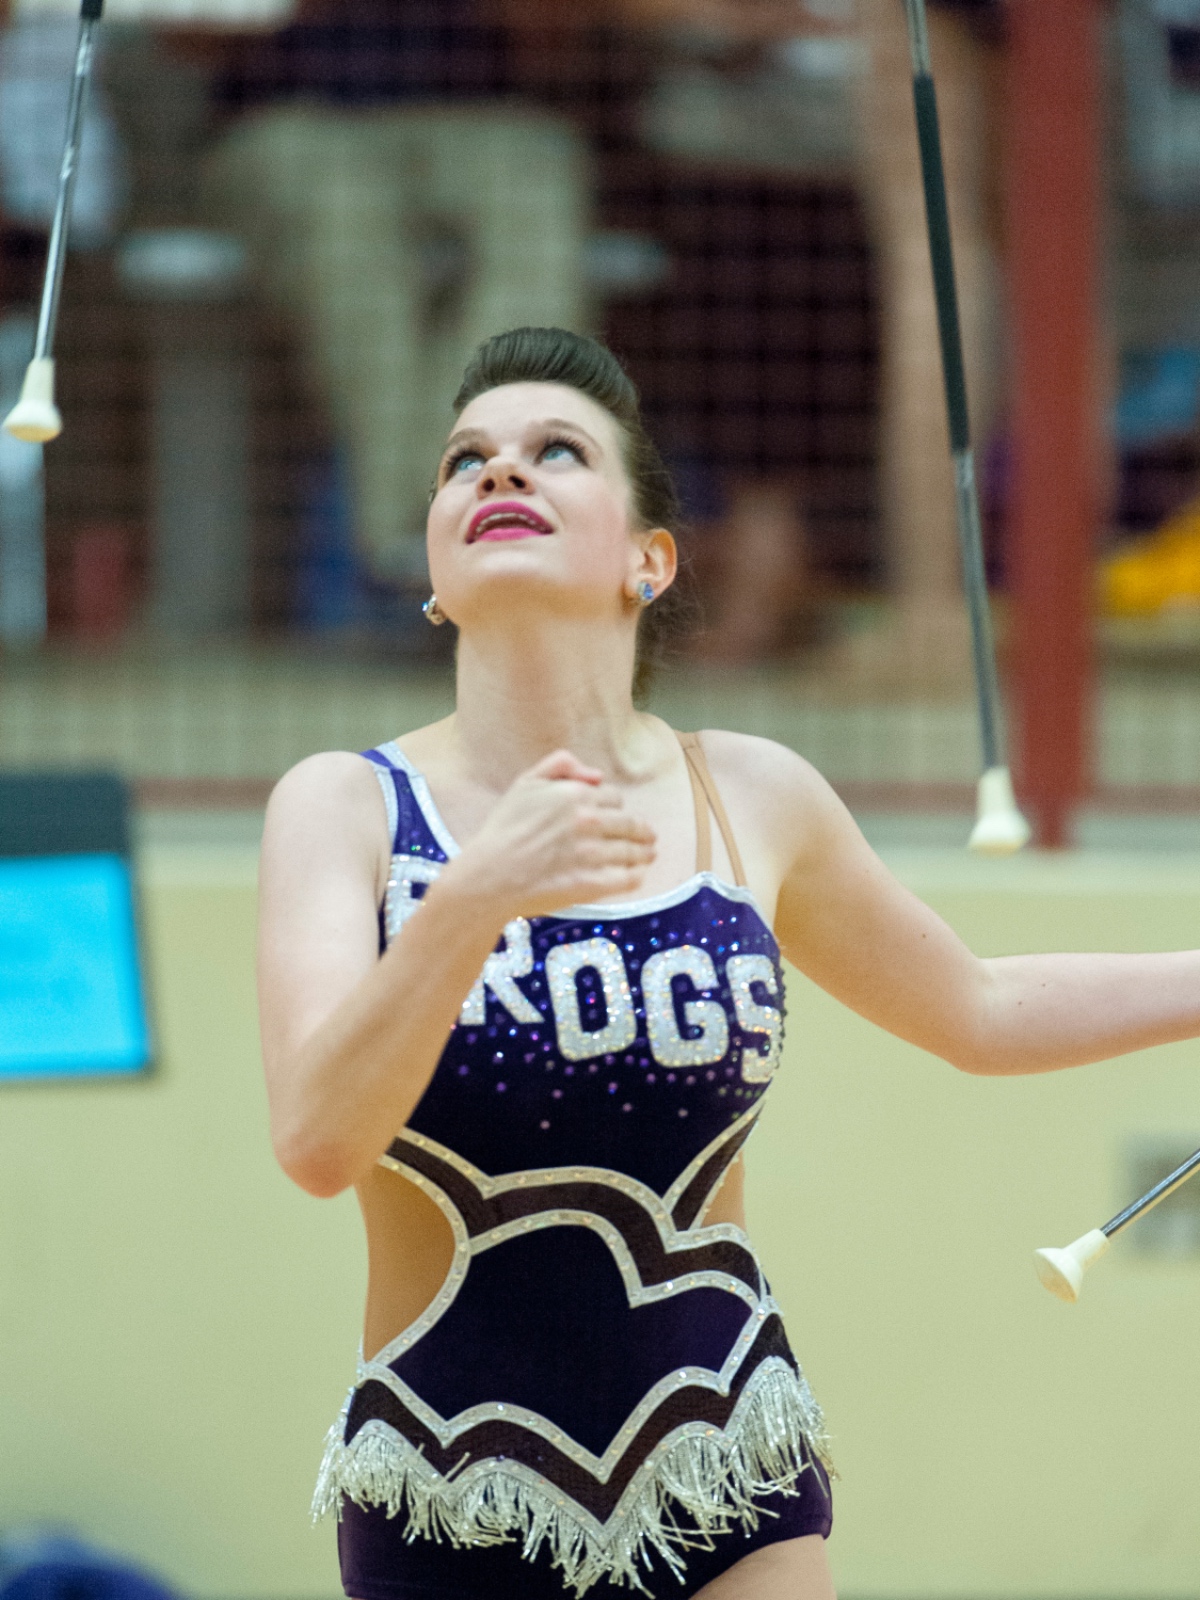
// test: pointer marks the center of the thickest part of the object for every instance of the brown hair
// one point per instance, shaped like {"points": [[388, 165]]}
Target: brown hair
{"points": [[553, 355]]}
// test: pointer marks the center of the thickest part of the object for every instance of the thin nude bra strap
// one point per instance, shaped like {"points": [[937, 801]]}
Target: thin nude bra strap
{"points": [[700, 798], [707, 796]]}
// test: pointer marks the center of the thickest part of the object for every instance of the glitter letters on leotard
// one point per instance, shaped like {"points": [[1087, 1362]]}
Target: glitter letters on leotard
{"points": [[707, 1029], [704, 1036]]}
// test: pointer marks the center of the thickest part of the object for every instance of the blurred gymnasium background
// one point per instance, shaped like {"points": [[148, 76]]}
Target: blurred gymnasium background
{"points": [[286, 206]]}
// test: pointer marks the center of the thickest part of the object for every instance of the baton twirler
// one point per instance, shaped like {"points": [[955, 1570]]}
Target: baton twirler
{"points": [[1000, 828], [1061, 1271], [35, 417]]}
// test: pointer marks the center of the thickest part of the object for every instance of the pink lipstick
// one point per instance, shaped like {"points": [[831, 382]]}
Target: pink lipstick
{"points": [[506, 519]]}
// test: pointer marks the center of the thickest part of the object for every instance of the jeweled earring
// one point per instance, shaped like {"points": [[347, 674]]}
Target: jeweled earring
{"points": [[645, 591], [433, 612]]}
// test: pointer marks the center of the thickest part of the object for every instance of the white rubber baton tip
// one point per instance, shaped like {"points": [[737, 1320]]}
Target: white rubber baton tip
{"points": [[35, 418], [1061, 1271], [1000, 829]]}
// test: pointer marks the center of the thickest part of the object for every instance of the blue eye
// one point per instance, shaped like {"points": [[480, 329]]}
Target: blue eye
{"points": [[456, 464], [560, 450]]}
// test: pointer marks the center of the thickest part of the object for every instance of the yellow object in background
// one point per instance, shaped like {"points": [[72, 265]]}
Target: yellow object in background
{"points": [[1156, 573]]}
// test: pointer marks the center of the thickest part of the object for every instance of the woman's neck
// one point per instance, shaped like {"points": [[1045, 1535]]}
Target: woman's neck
{"points": [[562, 684]]}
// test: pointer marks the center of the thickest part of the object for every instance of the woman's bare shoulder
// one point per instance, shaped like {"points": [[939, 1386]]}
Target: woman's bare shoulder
{"points": [[746, 762], [330, 778], [329, 803], [771, 786]]}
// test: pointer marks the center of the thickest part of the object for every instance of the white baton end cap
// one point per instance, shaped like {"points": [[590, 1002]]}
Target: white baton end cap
{"points": [[1000, 829], [1061, 1271], [35, 418]]}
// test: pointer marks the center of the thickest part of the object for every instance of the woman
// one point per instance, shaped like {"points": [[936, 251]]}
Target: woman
{"points": [[574, 1376]]}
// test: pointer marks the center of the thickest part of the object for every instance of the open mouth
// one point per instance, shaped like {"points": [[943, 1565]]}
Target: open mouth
{"points": [[511, 521]]}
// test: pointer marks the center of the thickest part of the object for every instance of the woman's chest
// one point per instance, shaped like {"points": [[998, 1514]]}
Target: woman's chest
{"points": [[607, 1039], [686, 842]]}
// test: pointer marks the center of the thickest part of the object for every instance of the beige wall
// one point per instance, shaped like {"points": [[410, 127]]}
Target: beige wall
{"points": [[178, 1324]]}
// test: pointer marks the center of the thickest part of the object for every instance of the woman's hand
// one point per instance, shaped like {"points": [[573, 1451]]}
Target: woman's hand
{"points": [[350, 1038], [558, 837]]}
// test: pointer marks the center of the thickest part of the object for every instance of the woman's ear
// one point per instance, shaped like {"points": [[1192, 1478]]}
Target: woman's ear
{"points": [[655, 561]]}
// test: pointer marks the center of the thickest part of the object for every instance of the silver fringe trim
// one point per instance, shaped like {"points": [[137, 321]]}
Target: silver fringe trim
{"points": [[714, 1475]]}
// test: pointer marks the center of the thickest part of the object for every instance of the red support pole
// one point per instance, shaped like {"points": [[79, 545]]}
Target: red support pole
{"points": [[1054, 155]]}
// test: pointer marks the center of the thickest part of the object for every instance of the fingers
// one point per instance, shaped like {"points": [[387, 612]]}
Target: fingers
{"points": [[605, 822], [603, 811], [597, 854], [561, 764]]}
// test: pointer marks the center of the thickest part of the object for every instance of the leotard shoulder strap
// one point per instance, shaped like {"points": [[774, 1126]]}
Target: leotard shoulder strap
{"points": [[707, 797]]}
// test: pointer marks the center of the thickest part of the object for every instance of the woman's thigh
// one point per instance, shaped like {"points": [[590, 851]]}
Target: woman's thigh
{"points": [[794, 1569]]}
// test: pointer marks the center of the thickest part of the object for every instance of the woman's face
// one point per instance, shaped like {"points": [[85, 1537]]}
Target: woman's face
{"points": [[532, 498]]}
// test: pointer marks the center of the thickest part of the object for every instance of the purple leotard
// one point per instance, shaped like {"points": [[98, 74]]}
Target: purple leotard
{"points": [[601, 1394]]}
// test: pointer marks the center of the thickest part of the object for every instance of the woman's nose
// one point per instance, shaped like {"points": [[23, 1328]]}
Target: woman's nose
{"points": [[502, 475]]}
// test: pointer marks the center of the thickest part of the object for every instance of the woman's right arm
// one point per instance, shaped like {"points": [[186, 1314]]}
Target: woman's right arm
{"points": [[351, 1039]]}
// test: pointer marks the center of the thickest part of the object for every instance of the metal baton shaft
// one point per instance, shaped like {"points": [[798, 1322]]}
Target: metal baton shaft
{"points": [[56, 256], [1173, 1181], [970, 527]]}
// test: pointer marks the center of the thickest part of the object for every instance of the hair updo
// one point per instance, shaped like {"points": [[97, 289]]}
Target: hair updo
{"points": [[554, 355]]}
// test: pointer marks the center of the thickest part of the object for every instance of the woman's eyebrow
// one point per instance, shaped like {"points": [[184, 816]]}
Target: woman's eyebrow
{"points": [[465, 436], [479, 437], [570, 427]]}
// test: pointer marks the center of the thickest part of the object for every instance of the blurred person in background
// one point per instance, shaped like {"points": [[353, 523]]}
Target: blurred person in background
{"points": [[402, 202], [406, 192], [925, 639], [825, 87], [750, 107], [404, 197]]}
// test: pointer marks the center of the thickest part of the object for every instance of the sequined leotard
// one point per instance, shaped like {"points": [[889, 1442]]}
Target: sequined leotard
{"points": [[602, 1379]]}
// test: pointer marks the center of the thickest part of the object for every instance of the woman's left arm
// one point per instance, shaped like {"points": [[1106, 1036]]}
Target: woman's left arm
{"points": [[851, 927]]}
